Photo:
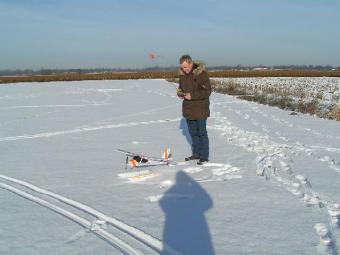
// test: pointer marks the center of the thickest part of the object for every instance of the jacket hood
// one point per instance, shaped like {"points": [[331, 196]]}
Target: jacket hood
{"points": [[199, 67]]}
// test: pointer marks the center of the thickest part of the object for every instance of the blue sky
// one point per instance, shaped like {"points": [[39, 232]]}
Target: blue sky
{"points": [[110, 33]]}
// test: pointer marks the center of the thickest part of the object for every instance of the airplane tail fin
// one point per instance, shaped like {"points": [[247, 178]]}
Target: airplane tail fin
{"points": [[166, 154]]}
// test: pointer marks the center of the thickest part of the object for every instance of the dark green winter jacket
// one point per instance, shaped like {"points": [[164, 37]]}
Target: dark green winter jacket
{"points": [[197, 83]]}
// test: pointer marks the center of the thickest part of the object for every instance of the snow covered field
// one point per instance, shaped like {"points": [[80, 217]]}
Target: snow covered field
{"points": [[271, 187], [319, 96], [327, 89]]}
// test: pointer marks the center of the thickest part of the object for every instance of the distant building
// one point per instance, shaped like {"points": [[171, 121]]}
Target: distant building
{"points": [[260, 68]]}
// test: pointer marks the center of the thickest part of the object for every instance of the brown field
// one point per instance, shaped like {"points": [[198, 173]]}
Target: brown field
{"points": [[92, 76], [163, 75]]}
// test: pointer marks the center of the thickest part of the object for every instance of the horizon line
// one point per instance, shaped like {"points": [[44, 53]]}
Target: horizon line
{"points": [[310, 66]]}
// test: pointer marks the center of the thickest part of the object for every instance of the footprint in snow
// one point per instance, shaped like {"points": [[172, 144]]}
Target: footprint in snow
{"points": [[221, 172], [157, 198], [166, 184], [137, 142], [334, 213], [327, 241], [246, 116], [193, 169]]}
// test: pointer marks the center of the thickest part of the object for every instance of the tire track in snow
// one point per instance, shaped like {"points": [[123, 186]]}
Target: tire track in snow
{"points": [[133, 232], [46, 106], [138, 114], [29, 117], [113, 240], [86, 129]]}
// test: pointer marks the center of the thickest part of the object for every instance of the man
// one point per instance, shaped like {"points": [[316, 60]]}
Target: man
{"points": [[194, 88]]}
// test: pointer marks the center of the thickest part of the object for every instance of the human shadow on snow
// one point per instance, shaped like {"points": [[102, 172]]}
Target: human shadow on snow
{"points": [[186, 229]]}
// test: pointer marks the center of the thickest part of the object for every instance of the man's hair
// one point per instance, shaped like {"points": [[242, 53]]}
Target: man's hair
{"points": [[185, 58]]}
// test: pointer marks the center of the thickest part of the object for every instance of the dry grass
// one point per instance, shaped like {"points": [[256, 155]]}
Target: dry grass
{"points": [[295, 98], [93, 76], [334, 113]]}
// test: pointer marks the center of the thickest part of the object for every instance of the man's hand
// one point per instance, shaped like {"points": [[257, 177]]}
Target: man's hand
{"points": [[180, 93], [187, 96]]}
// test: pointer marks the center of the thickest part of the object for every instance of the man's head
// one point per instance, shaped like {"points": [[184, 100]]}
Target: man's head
{"points": [[186, 63]]}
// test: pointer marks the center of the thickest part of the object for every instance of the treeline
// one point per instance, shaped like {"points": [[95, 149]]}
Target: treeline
{"points": [[170, 75], [27, 72]]}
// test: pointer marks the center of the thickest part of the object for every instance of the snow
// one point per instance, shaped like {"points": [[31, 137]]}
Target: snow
{"points": [[271, 186], [326, 89]]}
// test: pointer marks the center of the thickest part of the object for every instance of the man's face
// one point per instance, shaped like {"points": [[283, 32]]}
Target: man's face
{"points": [[187, 66]]}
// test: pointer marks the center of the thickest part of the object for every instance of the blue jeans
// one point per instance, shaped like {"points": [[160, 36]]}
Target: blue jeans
{"points": [[199, 137]]}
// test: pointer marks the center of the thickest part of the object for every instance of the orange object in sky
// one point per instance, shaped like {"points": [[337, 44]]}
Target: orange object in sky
{"points": [[152, 56]]}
